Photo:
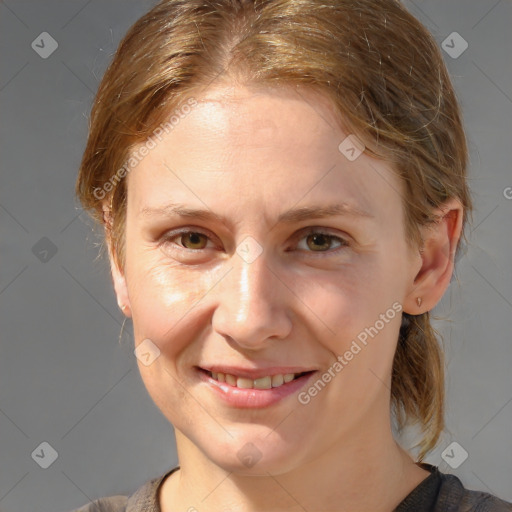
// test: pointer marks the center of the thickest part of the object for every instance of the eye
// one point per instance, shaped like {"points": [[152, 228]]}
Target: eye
{"points": [[313, 240], [320, 241], [187, 239]]}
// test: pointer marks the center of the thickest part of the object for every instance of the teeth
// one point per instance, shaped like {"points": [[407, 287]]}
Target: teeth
{"points": [[263, 383], [230, 379], [277, 380], [267, 382], [243, 383]]}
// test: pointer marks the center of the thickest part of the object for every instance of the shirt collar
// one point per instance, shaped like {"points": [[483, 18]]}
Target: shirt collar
{"points": [[145, 498]]}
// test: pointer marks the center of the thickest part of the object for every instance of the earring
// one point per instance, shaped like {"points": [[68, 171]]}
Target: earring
{"points": [[123, 307], [419, 301]]}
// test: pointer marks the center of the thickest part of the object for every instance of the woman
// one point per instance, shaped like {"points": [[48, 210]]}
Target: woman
{"points": [[283, 190]]}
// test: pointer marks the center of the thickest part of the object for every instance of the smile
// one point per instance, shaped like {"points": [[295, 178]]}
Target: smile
{"points": [[267, 382], [253, 391]]}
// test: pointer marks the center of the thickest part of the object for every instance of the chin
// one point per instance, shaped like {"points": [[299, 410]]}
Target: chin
{"points": [[250, 455]]}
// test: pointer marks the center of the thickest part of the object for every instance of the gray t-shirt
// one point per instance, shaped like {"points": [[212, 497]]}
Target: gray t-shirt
{"points": [[439, 492]]}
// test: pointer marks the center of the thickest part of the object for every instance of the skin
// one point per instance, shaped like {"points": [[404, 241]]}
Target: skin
{"points": [[249, 155]]}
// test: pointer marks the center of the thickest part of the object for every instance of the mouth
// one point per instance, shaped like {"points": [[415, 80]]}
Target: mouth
{"points": [[251, 388], [265, 382]]}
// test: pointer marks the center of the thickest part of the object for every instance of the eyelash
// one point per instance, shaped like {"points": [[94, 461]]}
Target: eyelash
{"points": [[344, 243]]}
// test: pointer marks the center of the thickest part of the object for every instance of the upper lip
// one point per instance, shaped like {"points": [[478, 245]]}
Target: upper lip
{"points": [[255, 373]]}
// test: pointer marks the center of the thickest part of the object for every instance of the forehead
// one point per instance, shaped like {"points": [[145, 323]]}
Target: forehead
{"points": [[258, 115], [269, 146]]}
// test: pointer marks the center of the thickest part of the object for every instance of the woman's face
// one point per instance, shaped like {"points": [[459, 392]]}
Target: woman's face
{"points": [[257, 246]]}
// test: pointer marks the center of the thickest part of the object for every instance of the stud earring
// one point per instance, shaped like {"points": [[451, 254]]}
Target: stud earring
{"points": [[419, 301]]}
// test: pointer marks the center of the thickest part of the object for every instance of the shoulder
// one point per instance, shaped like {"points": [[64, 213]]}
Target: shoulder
{"points": [[144, 498], [454, 497], [109, 504]]}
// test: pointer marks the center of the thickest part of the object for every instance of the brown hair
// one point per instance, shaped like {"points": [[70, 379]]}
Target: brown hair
{"points": [[385, 77]]}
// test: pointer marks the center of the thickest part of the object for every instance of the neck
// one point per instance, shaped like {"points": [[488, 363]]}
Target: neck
{"points": [[367, 472]]}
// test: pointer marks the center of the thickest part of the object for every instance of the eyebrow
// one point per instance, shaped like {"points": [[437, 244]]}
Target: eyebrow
{"points": [[288, 217]]}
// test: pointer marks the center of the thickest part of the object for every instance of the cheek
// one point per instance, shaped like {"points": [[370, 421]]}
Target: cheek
{"points": [[171, 304], [163, 300], [358, 312], [347, 299]]}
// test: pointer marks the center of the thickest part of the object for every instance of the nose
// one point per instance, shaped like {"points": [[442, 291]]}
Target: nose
{"points": [[252, 305]]}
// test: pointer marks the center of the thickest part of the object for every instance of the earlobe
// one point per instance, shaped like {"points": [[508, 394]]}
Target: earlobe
{"points": [[118, 277], [440, 241], [119, 281]]}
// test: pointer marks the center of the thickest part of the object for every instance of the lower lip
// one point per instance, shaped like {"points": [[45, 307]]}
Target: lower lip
{"points": [[253, 398]]}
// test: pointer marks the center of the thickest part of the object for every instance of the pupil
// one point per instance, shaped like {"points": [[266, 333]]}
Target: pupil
{"points": [[320, 240], [194, 239]]}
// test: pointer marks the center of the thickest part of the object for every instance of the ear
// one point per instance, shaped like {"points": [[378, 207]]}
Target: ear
{"points": [[118, 276], [436, 259]]}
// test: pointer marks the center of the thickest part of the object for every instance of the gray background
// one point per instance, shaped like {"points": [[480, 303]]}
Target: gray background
{"points": [[64, 378]]}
